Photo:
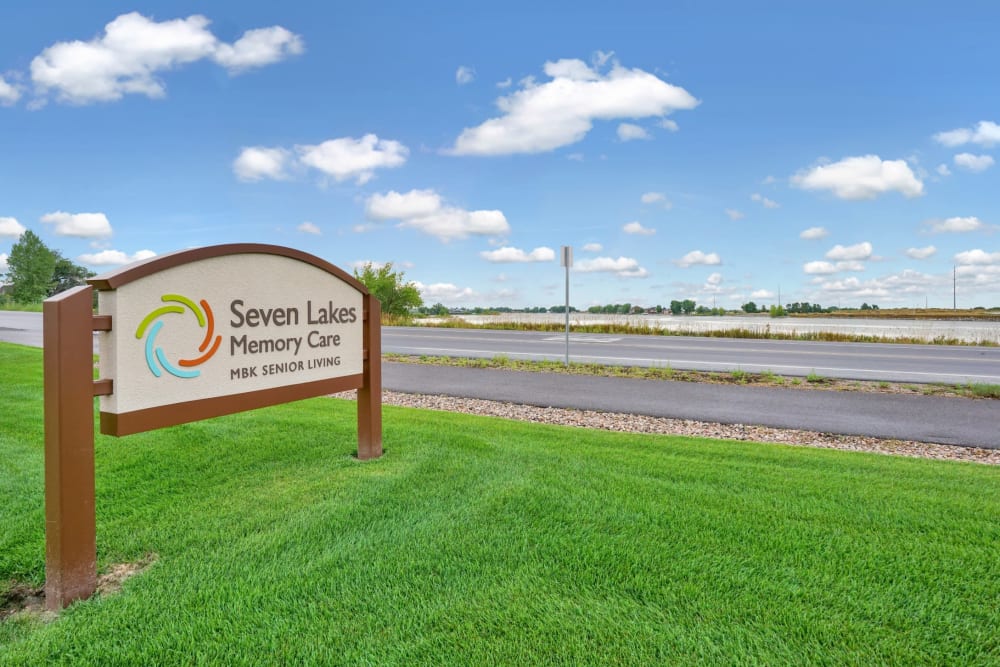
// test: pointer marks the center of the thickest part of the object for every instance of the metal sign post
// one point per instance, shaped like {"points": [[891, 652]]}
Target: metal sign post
{"points": [[567, 261]]}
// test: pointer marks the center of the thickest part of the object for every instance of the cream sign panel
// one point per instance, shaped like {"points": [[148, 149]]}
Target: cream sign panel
{"points": [[227, 325]]}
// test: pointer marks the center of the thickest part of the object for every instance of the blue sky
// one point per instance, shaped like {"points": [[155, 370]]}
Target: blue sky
{"points": [[720, 151]]}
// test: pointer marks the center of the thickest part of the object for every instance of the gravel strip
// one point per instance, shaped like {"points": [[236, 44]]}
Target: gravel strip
{"points": [[610, 421]]}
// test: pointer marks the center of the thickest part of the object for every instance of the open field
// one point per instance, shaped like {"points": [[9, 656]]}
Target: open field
{"points": [[862, 330], [485, 541]]}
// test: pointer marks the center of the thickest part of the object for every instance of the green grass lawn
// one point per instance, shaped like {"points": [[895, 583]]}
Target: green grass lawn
{"points": [[484, 541]]}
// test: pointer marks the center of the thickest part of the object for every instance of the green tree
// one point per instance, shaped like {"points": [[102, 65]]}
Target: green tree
{"points": [[30, 269], [67, 274], [676, 307], [688, 306], [396, 294], [749, 307]]}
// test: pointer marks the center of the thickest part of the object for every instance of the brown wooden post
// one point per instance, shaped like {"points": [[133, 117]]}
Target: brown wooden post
{"points": [[70, 519], [370, 393]]}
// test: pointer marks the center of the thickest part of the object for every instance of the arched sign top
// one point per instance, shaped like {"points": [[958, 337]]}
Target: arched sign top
{"points": [[132, 272]]}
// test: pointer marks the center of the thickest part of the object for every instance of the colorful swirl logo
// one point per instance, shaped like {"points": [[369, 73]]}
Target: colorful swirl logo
{"points": [[155, 357]]}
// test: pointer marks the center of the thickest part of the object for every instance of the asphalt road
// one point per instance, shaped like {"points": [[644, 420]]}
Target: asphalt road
{"points": [[855, 361], [956, 421], [924, 418]]}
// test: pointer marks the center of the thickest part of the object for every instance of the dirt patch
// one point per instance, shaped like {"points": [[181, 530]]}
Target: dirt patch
{"points": [[22, 599]]}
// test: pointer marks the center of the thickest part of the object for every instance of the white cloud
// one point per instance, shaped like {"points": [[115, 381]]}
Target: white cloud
{"points": [[3, 261], [943, 170], [593, 247], [541, 117], [424, 211], [819, 268], [762, 294], [985, 133], [848, 253], [346, 157], [734, 214], [977, 257], [764, 201], [668, 124], [446, 292], [576, 157], [256, 48], [714, 279], [464, 75], [972, 162], [625, 267], [9, 93], [600, 58], [508, 254], [257, 162], [864, 177], [506, 83], [631, 131], [83, 225], [400, 206], [133, 50], [309, 228], [11, 228], [957, 224], [654, 197], [698, 257], [637, 228], [814, 233], [113, 257], [920, 253]]}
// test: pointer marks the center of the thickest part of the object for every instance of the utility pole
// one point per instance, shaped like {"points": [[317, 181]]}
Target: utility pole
{"points": [[567, 261]]}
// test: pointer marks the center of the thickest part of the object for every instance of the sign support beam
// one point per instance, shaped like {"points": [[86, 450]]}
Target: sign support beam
{"points": [[70, 519], [370, 392]]}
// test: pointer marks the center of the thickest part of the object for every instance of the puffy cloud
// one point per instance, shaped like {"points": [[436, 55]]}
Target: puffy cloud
{"points": [[957, 224], [256, 48], [113, 257], [943, 170], [446, 292], [506, 83], [714, 279], [985, 133], [668, 124], [257, 162], [625, 267], [819, 268], [859, 251], [734, 214], [542, 117], [593, 247], [3, 261], [864, 177], [346, 157], [974, 162], [631, 131], [637, 228], [83, 225], [698, 257], [309, 228], [9, 93], [814, 233], [977, 257], [134, 49], [400, 206], [424, 211], [464, 75], [762, 294], [764, 201], [11, 228], [508, 254], [920, 253], [655, 198]]}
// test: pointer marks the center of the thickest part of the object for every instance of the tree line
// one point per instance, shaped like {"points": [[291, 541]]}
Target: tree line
{"points": [[36, 272]]}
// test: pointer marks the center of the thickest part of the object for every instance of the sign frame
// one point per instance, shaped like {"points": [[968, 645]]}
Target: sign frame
{"points": [[68, 323]]}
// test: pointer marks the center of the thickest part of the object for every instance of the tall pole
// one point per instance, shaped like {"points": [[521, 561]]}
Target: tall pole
{"points": [[567, 261]]}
